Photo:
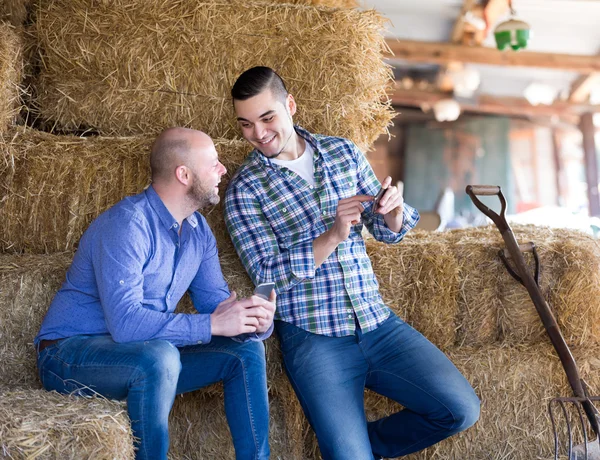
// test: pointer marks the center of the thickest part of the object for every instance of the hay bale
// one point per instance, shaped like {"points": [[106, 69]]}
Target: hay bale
{"points": [[418, 279], [14, 11], [37, 424], [199, 429], [54, 186], [137, 67], [28, 284], [11, 70], [569, 282], [478, 290], [457, 284], [326, 3]]}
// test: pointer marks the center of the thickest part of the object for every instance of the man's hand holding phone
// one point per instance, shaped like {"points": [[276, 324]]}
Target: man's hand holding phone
{"points": [[390, 204], [266, 292], [234, 317]]}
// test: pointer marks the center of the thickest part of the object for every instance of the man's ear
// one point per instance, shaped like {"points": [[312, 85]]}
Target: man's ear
{"points": [[182, 174], [290, 104]]}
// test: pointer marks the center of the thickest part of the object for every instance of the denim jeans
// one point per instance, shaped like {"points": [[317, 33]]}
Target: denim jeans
{"points": [[149, 375], [329, 375]]}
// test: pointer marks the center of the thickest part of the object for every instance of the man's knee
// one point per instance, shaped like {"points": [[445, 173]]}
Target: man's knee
{"points": [[465, 412], [160, 361]]}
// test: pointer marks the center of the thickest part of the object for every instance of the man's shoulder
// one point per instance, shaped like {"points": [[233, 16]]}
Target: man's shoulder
{"points": [[249, 172], [334, 145], [122, 216]]}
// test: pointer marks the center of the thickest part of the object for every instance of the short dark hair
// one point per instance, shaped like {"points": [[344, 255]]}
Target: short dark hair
{"points": [[255, 80]]}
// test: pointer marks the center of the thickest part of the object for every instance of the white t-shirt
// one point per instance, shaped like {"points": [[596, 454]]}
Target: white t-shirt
{"points": [[303, 165]]}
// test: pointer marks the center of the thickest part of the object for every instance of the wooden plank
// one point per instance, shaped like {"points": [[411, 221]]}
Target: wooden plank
{"points": [[442, 53], [558, 166], [511, 106], [591, 163], [581, 88]]}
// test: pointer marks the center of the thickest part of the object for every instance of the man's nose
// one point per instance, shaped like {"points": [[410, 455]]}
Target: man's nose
{"points": [[259, 131]]}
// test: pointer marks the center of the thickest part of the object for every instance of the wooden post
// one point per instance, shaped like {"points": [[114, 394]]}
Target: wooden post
{"points": [[558, 167], [590, 161]]}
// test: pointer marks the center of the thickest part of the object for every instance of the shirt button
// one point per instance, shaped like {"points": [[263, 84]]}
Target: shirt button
{"points": [[349, 310], [169, 296], [121, 282], [284, 209], [324, 213], [199, 342], [349, 316], [175, 225]]}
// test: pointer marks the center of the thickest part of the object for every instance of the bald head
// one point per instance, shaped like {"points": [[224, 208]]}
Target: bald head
{"points": [[173, 148]]}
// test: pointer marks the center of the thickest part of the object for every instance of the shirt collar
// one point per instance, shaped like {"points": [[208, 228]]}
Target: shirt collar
{"points": [[308, 137], [163, 213]]}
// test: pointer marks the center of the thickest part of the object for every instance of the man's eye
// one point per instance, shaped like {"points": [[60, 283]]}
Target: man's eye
{"points": [[244, 125], [267, 120]]}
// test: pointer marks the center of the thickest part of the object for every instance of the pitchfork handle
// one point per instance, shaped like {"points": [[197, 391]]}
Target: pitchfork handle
{"points": [[489, 190]]}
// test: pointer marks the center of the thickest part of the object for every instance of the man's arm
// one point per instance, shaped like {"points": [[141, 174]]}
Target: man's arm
{"points": [[118, 259], [348, 213], [399, 217], [253, 318], [257, 245]]}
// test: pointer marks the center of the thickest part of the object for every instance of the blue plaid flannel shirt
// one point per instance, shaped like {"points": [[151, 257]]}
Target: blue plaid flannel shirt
{"points": [[273, 216]]}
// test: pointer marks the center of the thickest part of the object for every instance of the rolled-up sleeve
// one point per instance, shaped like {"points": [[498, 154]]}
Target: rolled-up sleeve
{"points": [[368, 184]]}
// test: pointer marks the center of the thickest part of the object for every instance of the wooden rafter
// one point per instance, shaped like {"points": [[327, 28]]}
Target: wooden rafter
{"points": [[441, 53], [510, 106], [581, 88]]}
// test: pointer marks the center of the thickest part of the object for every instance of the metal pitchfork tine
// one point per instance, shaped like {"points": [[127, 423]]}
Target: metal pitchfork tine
{"points": [[589, 450]]}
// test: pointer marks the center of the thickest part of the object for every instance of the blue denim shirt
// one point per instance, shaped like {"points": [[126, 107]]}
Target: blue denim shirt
{"points": [[132, 267]]}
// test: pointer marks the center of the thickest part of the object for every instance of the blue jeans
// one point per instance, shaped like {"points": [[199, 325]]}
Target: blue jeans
{"points": [[149, 375], [329, 375]]}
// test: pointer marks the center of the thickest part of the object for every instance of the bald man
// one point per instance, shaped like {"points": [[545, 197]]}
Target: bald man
{"points": [[111, 328]]}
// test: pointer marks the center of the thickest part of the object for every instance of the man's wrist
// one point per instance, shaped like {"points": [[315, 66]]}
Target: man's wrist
{"points": [[330, 238]]}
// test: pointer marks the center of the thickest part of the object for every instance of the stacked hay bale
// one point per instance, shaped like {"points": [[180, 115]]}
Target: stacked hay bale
{"points": [[124, 71], [138, 68], [11, 70]]}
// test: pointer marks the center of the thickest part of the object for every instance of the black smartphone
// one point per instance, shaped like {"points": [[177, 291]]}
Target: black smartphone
{"points": [[264, 290], [377, 198]]}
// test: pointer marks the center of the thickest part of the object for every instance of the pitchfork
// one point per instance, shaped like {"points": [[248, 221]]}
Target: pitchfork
{"points": [[589, 450]]}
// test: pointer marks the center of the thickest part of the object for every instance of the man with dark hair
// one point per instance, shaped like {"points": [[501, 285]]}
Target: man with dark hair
{"points": [[111, 329], [295, 211]]}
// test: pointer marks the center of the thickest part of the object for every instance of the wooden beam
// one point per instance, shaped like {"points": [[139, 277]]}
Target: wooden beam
{"points": [[510, 106], [590, 162], [581, 88], [442, 53], [558, 167]]}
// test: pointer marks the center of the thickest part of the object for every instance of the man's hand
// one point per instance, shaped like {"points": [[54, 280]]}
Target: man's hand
{"points": [[265, 311], [234, 317], [347, 214], [391, 206]]}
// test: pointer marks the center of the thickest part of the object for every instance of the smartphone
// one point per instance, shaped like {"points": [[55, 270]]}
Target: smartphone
{"points": [[264, 290], [377, 198]]}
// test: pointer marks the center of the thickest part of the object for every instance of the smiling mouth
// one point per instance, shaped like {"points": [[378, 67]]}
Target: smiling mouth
{"points": [[268, 141]]}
